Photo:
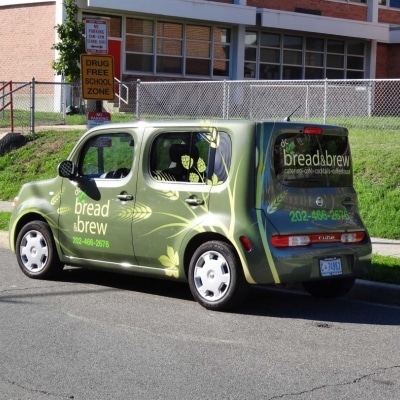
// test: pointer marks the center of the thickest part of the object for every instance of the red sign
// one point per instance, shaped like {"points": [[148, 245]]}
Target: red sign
{"points": [[98, 118]]}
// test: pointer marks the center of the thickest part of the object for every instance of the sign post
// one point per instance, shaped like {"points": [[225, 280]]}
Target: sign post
{"points": [[97, 70]]}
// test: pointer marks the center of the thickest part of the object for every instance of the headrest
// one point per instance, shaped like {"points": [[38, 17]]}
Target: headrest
{"points": [[176, 151]]}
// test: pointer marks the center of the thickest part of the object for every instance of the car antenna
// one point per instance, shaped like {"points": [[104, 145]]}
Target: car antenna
{"points": [[288, 117]]}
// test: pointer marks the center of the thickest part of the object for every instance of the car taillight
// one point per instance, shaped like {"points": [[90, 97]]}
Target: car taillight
{"points": [[353, 237], [313, 130], [290, 241], [305, 240]]}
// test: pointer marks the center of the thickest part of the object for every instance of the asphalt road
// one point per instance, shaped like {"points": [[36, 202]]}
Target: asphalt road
{"points": [[97, 336]]}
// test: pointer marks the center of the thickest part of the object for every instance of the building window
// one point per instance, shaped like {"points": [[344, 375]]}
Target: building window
{"points": [[390, 3], [314, 58], [221, 51], [355, 59], [139, 45], [283, 56], [171, 48], [335, 59], [292, 60], [114, 23], [198, 50], [250, 55], [270, 56]]}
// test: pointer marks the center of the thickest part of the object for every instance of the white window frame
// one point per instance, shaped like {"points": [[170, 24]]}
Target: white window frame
{"points": [[183, 56]]}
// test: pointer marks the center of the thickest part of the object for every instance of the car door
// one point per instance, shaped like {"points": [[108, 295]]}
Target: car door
{"points": [[96, 208], [173, 195]]}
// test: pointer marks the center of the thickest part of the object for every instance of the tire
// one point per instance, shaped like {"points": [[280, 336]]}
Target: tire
{"points": [[36, 252], [330, 288], [216, 277]]}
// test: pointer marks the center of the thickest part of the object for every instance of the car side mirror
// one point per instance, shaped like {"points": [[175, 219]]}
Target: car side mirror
{"points": [[67, 169]]}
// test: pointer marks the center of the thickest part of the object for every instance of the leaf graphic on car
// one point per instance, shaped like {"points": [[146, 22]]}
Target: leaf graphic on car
{"points": [[56, 198], [171, 262], [290, 148], [137, 213], [276, 203]]}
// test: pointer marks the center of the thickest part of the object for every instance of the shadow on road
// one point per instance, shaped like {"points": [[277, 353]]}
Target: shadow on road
{"points": [[262, 301], [267, 302], [300, 305]]}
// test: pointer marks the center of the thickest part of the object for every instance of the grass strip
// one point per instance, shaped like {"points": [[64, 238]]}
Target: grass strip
{"points": [[4, 220], [384, 269]]}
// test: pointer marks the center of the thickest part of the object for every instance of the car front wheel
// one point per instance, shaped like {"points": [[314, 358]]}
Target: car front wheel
{"points": [[36, 253], [216, 277]]}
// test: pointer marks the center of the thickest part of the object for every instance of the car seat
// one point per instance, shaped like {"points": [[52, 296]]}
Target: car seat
{"points": [[176, 152]]}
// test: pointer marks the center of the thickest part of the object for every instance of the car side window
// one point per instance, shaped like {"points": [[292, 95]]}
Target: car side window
{"points": [[192, 157], [107, 156], [221, 154], [180, 157]]}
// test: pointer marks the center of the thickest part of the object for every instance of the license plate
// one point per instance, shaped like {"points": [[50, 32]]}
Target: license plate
{"points": [[330, 266]]}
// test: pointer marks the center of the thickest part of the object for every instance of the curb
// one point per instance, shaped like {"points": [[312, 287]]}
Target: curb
{"points": [[375, 292]]}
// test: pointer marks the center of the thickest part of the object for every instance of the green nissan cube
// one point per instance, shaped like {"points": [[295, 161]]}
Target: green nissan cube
{"points": [[221, 204]]}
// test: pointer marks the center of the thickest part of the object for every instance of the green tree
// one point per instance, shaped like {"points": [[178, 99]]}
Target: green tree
{"points": [[70, 44]]}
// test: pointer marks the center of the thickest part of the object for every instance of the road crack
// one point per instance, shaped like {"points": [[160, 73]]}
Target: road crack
{"points": [[351, 382], [44, 392]]}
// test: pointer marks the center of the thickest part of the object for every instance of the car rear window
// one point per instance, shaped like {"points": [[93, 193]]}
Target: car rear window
{"points": [[302, 160]]}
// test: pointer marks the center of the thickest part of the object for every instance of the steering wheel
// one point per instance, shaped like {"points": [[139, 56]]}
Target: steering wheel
{"points": [[120, 173]]}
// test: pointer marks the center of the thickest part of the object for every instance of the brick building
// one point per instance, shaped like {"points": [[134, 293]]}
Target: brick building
{"points": [[225, 39]]}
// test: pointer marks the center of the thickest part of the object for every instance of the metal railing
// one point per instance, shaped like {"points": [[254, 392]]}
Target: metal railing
{"points": [[122, 88], [19, 97], [4, 105]]}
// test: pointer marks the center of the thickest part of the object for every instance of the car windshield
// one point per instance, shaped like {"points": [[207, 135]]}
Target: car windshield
{"points": [[302, 160]]}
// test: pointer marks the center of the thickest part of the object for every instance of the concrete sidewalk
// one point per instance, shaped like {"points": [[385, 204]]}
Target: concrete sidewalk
{"points": [[386, 247]]}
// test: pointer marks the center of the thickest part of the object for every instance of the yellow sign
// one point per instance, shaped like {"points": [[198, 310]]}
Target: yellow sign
{"points": [[97, 75]]}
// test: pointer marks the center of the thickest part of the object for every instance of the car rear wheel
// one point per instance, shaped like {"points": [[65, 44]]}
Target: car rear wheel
{"points": [[216, 277], [330, 288], [36, 253]]}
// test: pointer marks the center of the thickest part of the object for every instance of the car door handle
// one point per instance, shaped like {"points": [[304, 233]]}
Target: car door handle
{"points": [[194, 201], [125, 197]]}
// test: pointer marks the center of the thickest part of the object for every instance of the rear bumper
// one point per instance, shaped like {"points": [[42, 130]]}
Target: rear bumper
{"points": [[304, 264]]}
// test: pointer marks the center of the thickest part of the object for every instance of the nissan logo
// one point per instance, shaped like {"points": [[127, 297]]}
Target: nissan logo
{"points": [[319, 202]]}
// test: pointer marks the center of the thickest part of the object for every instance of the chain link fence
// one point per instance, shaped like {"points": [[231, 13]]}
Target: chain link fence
{"points": [[362, 103], [24, 105], [365, 104]]}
